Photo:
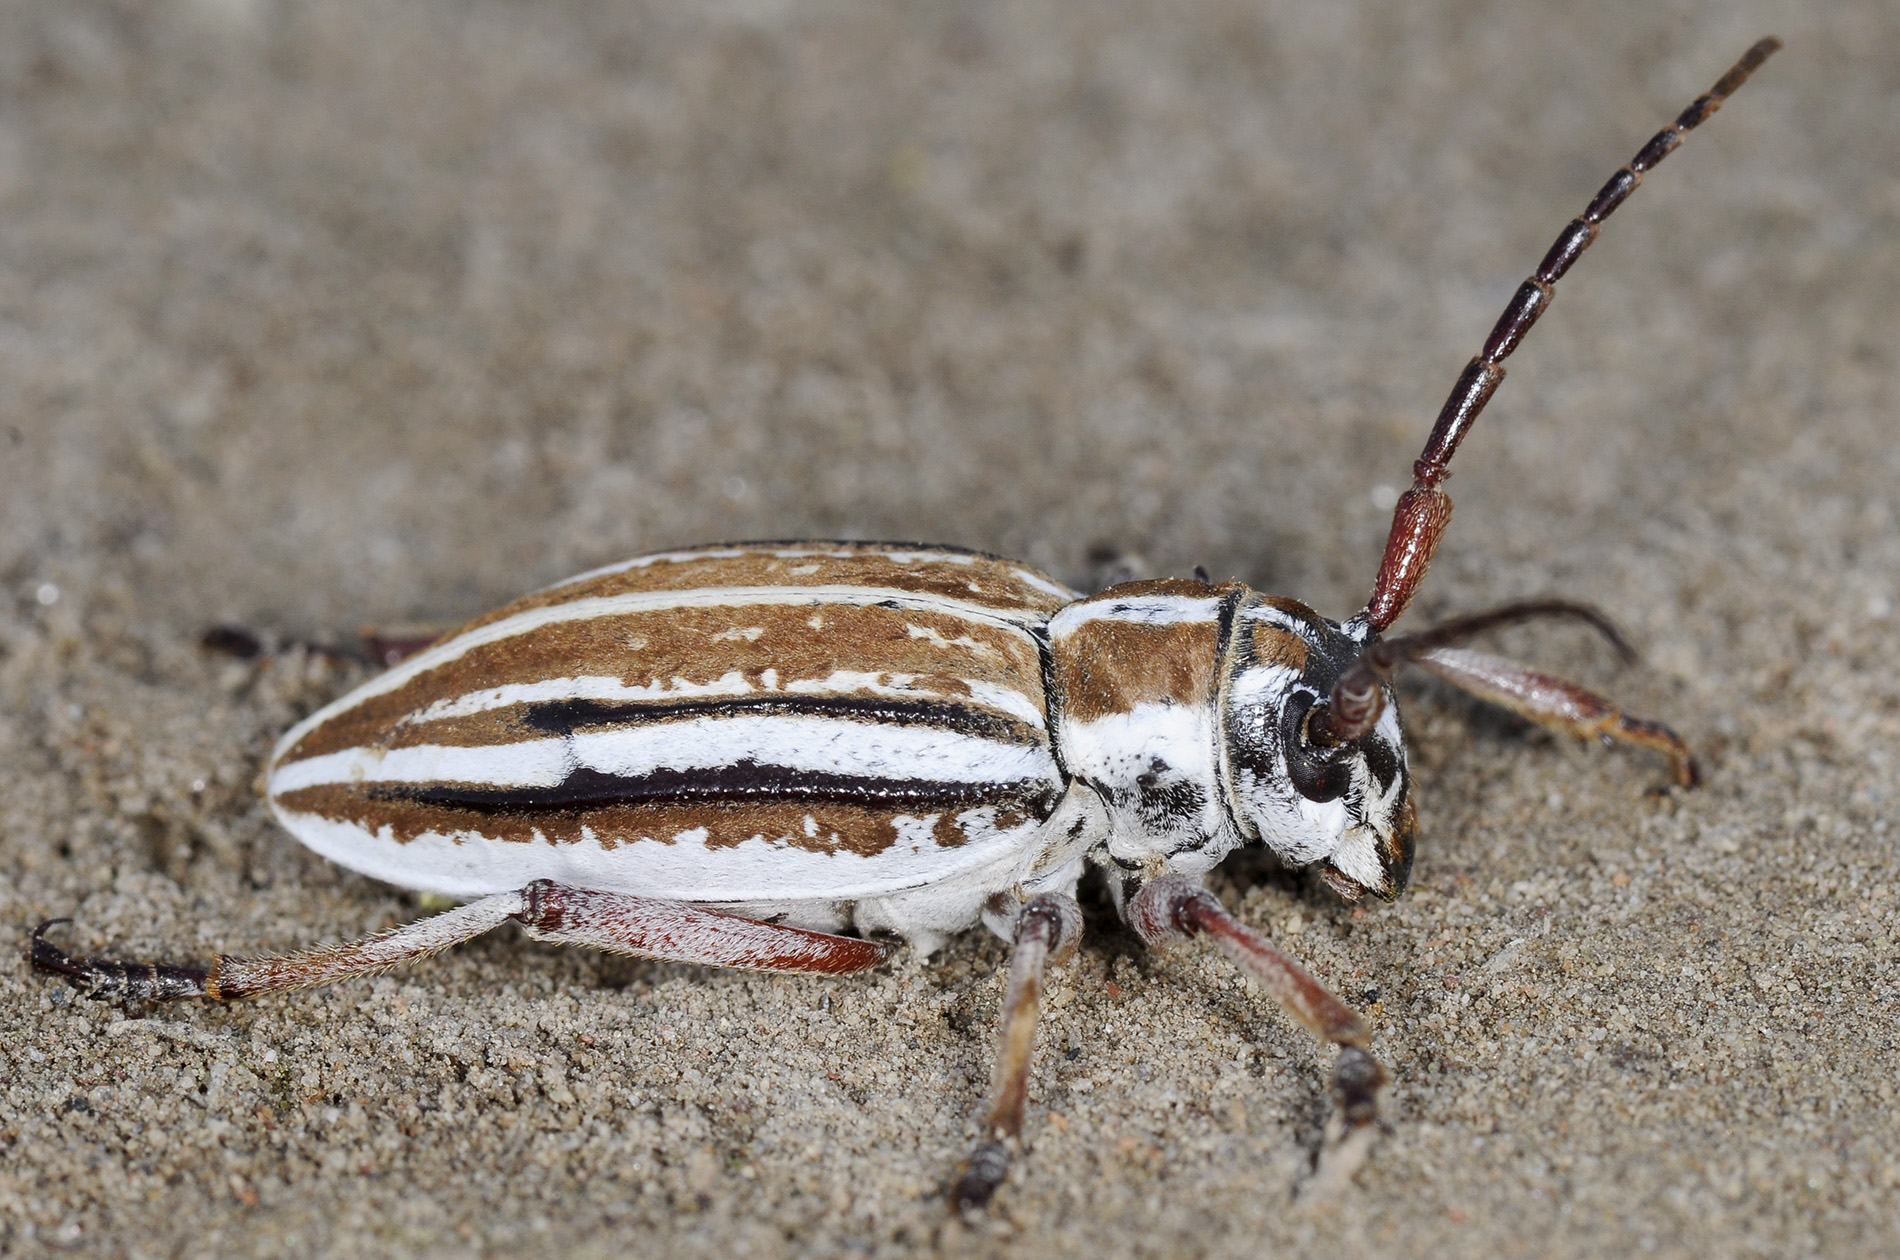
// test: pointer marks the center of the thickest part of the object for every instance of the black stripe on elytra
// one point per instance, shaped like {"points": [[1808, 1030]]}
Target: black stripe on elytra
{"points": [[564, 717], [742, 781]]}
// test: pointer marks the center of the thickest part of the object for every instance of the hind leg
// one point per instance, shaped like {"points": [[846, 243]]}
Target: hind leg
{"points": [[622, 923]]}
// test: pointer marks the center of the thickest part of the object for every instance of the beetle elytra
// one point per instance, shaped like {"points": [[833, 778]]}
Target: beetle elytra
{"points": [[793, 756]]}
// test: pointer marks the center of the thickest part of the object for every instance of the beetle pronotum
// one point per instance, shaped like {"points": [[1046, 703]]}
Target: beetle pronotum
{"points": [[737, 755]]}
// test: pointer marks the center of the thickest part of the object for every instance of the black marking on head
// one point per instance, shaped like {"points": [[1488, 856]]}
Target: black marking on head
{"points": [[1382, 761]]}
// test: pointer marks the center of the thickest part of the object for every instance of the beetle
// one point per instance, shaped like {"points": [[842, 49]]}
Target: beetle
{"points": [[793, 756]]}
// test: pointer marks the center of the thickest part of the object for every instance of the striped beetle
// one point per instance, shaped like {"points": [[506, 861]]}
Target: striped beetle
{"points": [[736, 755]]}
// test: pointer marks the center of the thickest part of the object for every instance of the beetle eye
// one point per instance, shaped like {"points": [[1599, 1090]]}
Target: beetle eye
{"points": [[1313, 732], [1319, 772]]}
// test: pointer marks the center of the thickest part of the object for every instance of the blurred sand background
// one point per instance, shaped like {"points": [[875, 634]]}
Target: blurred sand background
{"points": [[313, 315]]}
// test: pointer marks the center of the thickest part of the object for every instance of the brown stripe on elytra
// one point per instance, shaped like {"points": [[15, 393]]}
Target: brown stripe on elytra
{"points": [[833, 828], [966, 576], [697, 646], [1107, 667]]}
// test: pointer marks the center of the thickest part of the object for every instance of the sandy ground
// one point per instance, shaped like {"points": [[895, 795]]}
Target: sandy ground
{"points": [[318, 315]]}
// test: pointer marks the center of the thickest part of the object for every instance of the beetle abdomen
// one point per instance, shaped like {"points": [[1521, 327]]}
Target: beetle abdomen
{"points": [[758, 722]]}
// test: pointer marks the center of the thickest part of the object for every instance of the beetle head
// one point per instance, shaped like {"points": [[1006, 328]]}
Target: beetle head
{"points": [[1345, 804]]}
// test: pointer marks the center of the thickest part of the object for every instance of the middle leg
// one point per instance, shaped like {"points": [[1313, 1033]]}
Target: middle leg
{"points": [[1049, 924]]}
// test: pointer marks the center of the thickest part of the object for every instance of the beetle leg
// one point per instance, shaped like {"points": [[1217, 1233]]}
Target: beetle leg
{"points": [[107, 977], [673, 931], [229, 978], [1049, 924], [1169, 907], [551, 912], [1558, 704]]}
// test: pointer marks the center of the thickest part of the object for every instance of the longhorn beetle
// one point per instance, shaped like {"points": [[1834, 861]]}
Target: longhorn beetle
{"points": [[735, 755]]}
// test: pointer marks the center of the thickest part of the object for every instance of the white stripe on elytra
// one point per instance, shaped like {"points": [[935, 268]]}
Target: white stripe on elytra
{"points": [[908, 557], [1008, 699], [683, 867], [1147, 610], [976, 647], [599, 607], [897, 754], [607, 689], [1037, 582], [663, 557], [585, 687]]}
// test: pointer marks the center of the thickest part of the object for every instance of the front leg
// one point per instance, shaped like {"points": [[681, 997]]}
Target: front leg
{"points": [[1558, 704], [1169, 908]]}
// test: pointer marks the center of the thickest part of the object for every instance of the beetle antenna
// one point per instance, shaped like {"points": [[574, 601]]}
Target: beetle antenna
{"points": [[1423, 511], [1358, 696]]}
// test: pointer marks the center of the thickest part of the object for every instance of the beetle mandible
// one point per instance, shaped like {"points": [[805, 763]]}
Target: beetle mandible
{"points": [[736, 755]]}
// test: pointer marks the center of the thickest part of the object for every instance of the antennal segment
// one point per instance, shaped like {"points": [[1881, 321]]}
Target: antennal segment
{"points": [[1419, 520]]}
